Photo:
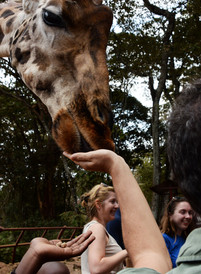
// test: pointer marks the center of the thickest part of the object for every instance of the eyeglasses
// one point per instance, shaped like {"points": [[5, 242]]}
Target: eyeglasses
{"points": [[175, 199], [101, 185]]}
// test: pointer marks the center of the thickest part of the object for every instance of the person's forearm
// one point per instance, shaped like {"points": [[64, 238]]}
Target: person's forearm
{"points": [[107, 264], [30, 263], [142, 236]]}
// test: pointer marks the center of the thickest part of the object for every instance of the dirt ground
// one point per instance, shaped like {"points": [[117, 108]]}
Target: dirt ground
{"points": [[73, 265]]}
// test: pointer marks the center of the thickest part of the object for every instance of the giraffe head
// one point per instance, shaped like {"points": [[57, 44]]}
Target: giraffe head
{"points": [[59, 50]]}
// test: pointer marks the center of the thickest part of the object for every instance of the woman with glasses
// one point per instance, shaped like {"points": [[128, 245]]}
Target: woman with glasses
{"points": [[176, 223], [104, 255]]}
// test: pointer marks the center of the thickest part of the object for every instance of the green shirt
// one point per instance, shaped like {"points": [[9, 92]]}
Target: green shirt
{"points": [[188, 262]]}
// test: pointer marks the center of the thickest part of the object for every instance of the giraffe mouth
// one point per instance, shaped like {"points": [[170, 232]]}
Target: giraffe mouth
{"points": [[74, 135]]}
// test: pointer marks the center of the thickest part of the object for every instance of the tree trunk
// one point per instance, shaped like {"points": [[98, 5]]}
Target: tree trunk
{"points": [[72, 184], [156, 153], [45, 187], [156, 95]]}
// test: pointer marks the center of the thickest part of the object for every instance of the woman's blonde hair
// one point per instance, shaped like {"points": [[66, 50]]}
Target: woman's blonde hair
{"points": [[99, 193]]}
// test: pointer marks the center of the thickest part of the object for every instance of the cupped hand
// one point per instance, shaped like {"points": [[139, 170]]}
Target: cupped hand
{"points": [[98, 160], [51, 251]]}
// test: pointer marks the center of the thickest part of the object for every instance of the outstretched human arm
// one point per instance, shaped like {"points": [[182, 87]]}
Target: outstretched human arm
{"points": [[41, 251], [142, 237]]}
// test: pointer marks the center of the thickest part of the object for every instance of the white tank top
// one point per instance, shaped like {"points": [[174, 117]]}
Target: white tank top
{"points": [[111, 248]]}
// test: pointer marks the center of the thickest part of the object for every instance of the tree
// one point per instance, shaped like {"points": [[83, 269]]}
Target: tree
{"points": [[29, 156], [148, 45]]}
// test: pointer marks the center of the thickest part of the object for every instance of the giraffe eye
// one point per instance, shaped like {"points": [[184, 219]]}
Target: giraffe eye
{"points": [[52, 19]]}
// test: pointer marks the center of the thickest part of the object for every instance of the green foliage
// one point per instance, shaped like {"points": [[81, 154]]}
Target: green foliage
{"points": [[133, 55], [70, 218], [144, 176], [5, 254], [131, 130]]}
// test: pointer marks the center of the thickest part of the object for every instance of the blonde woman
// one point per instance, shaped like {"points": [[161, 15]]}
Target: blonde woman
{"points": [[104, 255]]}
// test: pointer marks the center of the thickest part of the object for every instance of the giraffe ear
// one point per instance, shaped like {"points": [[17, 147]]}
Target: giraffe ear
{"points": [[97, 2], [29, 6]]}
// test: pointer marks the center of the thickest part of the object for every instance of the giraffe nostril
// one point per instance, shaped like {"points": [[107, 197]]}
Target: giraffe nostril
{"points": [[111, 120], [101, 115], [106, 117]]}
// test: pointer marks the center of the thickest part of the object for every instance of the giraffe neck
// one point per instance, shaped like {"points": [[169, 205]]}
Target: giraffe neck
{"points": [[11, 17]]}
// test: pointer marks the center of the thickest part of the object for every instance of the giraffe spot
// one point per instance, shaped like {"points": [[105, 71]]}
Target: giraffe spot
{"points": [[9, 22], [19, 8], [93, 56], [34, 27], [22, 57], [67, 62], [7, 13], [95, 38], [44, 87], [1, 34], [41, 59], [10, 43]]}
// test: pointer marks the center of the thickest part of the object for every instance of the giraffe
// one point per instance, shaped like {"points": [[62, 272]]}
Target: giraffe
{"points": [[58, 47]]}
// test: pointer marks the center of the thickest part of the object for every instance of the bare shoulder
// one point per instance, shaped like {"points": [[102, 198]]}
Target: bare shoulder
{"points": [[98, 229]]}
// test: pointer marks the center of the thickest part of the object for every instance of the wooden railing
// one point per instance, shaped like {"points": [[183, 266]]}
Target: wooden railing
{"points": [[45, 230]]}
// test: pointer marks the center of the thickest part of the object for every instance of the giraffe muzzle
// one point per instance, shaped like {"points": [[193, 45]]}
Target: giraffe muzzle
{"points": [[73, 134]]}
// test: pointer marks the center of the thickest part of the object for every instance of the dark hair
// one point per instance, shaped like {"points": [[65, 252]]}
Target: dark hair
{"points": [[184, 143], [167, 226]]}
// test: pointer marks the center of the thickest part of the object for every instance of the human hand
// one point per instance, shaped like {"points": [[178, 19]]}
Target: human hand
{"points": [[51, 251], [98, 160]]}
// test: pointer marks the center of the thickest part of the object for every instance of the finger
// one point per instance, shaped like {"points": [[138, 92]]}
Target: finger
{"points": [[87, 242], [73, 241], [84, 244], [81, 238], [81, 157], [66, 154], [84, 236], [78, 249], [77, 158]]}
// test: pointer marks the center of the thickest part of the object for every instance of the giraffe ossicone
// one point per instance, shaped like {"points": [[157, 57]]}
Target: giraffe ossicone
{"points": [[58, 48]]}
